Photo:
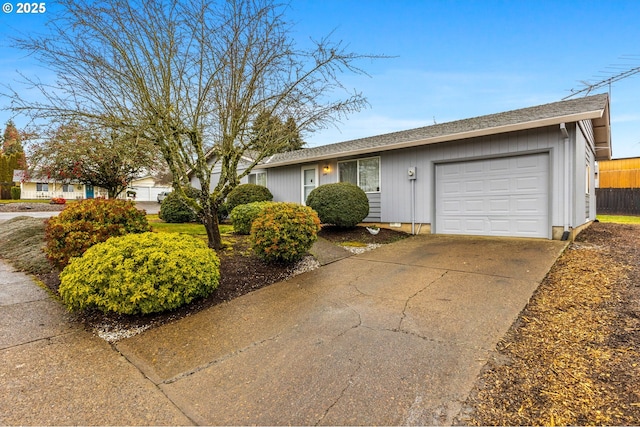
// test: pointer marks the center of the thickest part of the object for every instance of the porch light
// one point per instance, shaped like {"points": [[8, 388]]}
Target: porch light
{"points": [[326, 169]]}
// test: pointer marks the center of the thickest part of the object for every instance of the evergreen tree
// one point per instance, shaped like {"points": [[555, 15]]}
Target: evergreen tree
{"points": [[268, 132], [11, 158], [11, 140]]}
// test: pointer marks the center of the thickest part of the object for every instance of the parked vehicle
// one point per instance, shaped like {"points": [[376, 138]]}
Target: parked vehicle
{"points": [[162, 195]]}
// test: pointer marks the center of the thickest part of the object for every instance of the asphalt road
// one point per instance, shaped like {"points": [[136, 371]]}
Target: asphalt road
{"points": [[149, 207]]}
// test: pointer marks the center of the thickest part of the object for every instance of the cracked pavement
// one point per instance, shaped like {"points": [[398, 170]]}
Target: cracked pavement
{"points": [[393, 336]]}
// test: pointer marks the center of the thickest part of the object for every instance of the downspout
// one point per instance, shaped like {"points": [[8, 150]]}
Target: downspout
{"points": [[413, 206], [411, 174], [567, 176]]}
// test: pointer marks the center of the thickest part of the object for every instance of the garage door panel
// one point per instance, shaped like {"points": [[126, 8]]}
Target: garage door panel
{"points": [[530, 183], [473, 206], [528, 205], [500, 197], [472, 187], [499, 185], [500, 206], [452, 188], [499, 165], [471, 169], [498, 226], [475, 225], [452, 206]]}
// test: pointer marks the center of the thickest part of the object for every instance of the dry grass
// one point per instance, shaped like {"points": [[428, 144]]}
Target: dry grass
{"points": [[22, 242], [572, 356]]}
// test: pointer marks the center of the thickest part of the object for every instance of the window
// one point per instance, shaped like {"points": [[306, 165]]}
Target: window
{"points": [[67, 188], [365, 173], [588, 181], [259, 178], [42, 186]]}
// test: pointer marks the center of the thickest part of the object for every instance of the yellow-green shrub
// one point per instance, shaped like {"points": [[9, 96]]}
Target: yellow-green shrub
{"points": [[83, 224], [242, 216], [140, 273], [284, 232]]}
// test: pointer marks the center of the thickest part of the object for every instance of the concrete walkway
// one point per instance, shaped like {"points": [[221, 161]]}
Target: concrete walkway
{"points": [[394, 336], [52, 372]]}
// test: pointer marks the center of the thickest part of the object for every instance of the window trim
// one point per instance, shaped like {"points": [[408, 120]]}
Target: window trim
{"points": [[358, 171], [256, 173], [43, 187]]}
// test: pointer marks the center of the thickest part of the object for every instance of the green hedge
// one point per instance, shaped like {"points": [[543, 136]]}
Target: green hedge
{"points": [[174, 209], [140, 273], [247, 193], [341, 204]]}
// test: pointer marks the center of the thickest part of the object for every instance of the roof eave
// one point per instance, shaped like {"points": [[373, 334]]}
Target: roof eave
{"points": [[602, 135]]}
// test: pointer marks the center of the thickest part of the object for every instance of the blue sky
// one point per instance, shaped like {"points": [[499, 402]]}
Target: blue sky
{"points": [[455, 59]]}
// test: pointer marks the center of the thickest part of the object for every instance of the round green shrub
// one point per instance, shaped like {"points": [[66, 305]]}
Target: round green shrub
{"points": [[174, 209], [341, 204], [83, 224], [284, 232], [247, 193], [140, 273], [242, 216]]}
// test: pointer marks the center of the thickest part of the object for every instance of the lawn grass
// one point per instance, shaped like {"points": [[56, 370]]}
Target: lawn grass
{"points": [[7, 201], [619, 219], [190, 228]]}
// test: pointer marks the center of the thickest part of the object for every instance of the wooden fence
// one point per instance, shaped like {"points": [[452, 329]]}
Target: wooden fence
{"points": [[618, 201]]}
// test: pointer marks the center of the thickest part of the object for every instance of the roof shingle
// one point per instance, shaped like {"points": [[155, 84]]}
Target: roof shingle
{"points": [[591, 107]]}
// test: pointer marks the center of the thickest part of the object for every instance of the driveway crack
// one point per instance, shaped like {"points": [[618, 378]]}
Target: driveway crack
{"points": [[406, 303], [341, 395], [197, 369]]}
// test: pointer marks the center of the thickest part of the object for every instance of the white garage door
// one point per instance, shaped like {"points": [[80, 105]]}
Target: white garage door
{"points": [[507, 196]]}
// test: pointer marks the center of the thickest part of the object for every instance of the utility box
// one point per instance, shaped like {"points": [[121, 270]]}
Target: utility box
{"points": [[411, 173]]}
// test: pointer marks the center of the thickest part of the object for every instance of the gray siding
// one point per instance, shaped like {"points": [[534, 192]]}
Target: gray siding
{"points": [[285, 183], [374, 207], [394, 201], [397, 190]]}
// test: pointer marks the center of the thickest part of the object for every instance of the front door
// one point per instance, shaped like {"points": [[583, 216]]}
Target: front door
{"points": [[309, 181], [88, 192]]}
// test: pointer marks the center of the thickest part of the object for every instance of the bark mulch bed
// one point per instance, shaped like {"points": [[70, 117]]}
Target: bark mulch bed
{"points": [[573, 356]]}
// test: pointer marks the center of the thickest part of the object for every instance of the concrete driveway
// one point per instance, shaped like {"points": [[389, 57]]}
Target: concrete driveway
{"points": [[394, 336]]}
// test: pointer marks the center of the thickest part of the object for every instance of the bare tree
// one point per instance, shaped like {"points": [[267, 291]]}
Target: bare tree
{"points": [[191, 76]]}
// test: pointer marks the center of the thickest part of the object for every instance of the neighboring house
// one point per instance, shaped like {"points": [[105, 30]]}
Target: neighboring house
{"points": [[521, 173], [145, 189], [618, 186], [43, 188]]}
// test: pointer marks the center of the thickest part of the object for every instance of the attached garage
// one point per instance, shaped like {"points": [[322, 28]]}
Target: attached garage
{"points": [[505, 196]]}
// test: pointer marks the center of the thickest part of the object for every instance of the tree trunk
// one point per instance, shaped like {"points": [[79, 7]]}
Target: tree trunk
{"points": [[210, 221]]}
